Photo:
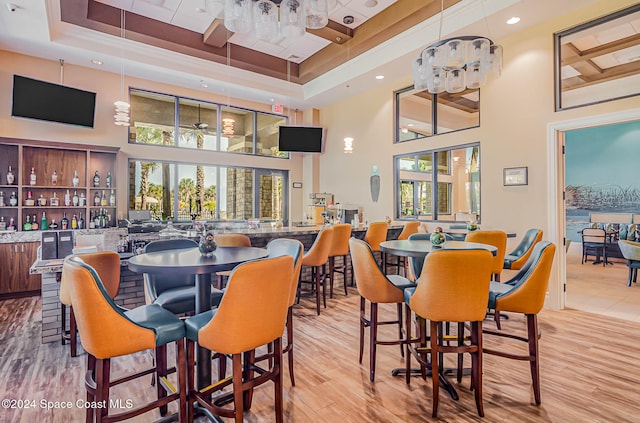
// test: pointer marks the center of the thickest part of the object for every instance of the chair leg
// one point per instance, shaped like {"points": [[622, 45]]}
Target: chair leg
{"points": [[190, 378], [476, 365], [161, 371], [332, 266], [91, 367], [237, 388], [316, 279], [434, 368], [631, 273], [277, 383], [373, 338], [63, 321], [460, 355], [407, 314], [103, 368], [181, 368], [400, 328], [362, 325], [344, 274], [73, 333], [532, 329], [290, 345], [248, 374]]}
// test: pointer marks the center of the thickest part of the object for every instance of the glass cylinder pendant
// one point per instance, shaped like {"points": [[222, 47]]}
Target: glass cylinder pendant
{"points": [[292, 21], [265, 20], [317, 13], [238, 15], [455, 80]]}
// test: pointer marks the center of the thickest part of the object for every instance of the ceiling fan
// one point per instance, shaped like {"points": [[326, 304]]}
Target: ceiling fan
{"points": [[199, 124]]}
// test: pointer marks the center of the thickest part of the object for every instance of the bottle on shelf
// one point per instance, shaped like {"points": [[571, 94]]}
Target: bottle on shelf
{"points": [[53, 225], [10, 177], [12, 225], [96, 179], [75, 181], [26, 226], [13, 200], [96, 220], [54, 201], [3, 224], [54, 178], [82, 201], [1, 199], [74, 222], [81, 221], [34, 222], [67, 199], [103, 200], [75, 200], [64, 223], [96, 199], [92, 223], [112, 199], [42, 201], [32, 177], [29, 201], [43, 222], [108, 180]]}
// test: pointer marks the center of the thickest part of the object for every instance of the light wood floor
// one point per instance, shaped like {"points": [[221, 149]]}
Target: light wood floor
{"points": [[589, 371]]}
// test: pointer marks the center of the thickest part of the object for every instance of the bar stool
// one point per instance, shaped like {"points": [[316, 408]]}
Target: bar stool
{"points": [[230, 240], [377, 233], [409, 229], [453, 287], [316, 258], [339, 248], [519, 256], [107, 265], [107, 331], [497, 239]]}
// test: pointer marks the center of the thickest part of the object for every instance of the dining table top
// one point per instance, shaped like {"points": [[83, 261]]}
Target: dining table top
{"points": [[420, 248], [191, 261]]}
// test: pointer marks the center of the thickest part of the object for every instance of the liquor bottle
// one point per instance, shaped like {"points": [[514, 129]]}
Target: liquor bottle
{"points": [[29, 201], [32, 177], [13, 200], [103, 200], [10, 177], [96, 179], [26, 226], [82, 201], [54, 201], [64, 223], [34, 223], [12, 225], [53, 225], [74, 222], [81, 222], [109, 179], [42, 201], [1, 199], [3, 224], [96, 220], [75, 199], [75, 181], [43, 222], [112, 199], [54, 178], [96, 199], [67, 199]]}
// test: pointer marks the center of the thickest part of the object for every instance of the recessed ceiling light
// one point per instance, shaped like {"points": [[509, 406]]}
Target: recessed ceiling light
{"points": [[97, 62], [379, 76], [513, 20], [203, 84], [371, 3], [411, 124]]}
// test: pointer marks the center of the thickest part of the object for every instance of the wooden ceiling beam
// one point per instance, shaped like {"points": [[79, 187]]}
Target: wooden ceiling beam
{"points": [[601, 50], [334, 32], [609, 74], [216, 35]]}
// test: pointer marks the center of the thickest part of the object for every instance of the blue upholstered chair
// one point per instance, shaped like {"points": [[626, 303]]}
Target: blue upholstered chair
{"points": [[519, 256], [174, 293], [631, 252]]}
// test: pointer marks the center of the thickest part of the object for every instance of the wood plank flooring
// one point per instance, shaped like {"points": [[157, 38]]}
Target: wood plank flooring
{"points": [[589, 372]]}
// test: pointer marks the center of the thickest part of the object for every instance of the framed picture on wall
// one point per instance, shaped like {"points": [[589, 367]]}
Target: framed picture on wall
{"points": [[513, 176]]}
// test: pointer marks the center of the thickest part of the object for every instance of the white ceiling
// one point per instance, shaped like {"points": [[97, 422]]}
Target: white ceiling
{"points": [[35, 29]]}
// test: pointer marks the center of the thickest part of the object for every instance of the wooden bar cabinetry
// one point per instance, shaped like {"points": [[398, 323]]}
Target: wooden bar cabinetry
{"points": [[15, 260]]}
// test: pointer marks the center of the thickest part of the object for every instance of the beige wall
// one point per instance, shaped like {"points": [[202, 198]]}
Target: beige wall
{"points": [[106, 133], [515, 112]]}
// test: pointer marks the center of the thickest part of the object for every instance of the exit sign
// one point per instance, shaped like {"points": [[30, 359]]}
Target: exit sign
{"points": [[277, 108]]}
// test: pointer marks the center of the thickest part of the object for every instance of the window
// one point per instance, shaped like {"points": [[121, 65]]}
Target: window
{"points": [[419, 114], [205, 192], [156, 118], [451, 191]]}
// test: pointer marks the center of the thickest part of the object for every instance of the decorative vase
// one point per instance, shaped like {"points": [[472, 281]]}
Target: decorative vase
{"points": [[207, 244], [472, 226], [437, 238]]}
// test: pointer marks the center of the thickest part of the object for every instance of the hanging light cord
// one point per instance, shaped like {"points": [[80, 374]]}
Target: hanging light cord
{"points": [[441, 19], [123, 37]]}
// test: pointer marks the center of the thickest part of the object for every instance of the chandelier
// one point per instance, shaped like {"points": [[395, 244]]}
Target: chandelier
{"points": [[261, 17], [454, 64], [227, 126]]}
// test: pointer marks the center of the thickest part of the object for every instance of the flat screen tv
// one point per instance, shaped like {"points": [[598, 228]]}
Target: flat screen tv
{"points": [[41, 100], [305, 139]]}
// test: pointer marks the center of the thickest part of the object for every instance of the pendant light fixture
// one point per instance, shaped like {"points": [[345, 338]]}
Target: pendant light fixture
{"points": [[122, 107]]}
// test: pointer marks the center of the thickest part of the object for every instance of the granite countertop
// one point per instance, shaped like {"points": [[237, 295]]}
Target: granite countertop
{"points": [[9, 237]]}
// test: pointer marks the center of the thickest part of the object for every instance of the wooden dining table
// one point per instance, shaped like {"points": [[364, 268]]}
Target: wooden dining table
{"points": [[190, 261]]}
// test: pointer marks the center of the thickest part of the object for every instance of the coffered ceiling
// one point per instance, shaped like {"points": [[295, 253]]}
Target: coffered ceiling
{"points": [[184, 42]]}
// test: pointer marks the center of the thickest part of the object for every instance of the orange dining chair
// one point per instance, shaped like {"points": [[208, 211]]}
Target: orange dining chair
{"points": [[453, 287], [525, 294], [339, 248], [107, 265], [519, 256], [377, 233], [108, 331], [229, 240], [252, 314], [496, 238], [409, 229], [377, 288], [316, 258]]}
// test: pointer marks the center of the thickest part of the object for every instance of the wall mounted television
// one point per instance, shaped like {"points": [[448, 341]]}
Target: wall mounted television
{"points": [[304, 139], [35, 99]]}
